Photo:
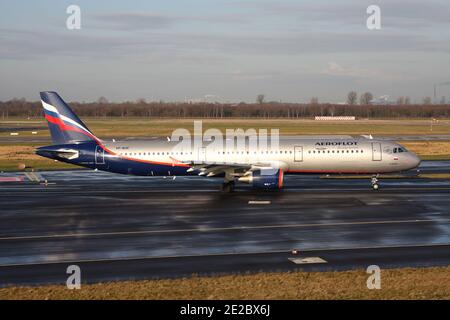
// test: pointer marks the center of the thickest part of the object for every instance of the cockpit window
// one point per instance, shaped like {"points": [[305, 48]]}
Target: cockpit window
{"points": [[398, 150]]}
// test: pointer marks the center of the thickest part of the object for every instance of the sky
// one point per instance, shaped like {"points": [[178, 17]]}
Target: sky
{"points": [[229, 51]]}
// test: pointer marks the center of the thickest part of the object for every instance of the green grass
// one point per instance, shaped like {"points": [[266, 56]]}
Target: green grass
{"points": [[119, 127], [38, 164], [435, 157]]}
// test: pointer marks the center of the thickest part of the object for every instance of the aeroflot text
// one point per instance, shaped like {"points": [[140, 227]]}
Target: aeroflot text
{"points": [[337, 143]]}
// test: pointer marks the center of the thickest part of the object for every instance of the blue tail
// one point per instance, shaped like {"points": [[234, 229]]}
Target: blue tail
{"points": [[65, 127]]}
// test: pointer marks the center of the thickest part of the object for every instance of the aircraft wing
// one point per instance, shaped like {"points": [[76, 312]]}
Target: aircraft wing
{"points": [[211, 169]]}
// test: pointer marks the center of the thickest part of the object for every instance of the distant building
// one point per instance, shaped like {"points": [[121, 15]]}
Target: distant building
{"points": [[382, 100], [328, 118]]}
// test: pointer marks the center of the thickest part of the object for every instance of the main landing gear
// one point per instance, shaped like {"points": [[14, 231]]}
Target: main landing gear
{"points": [[227, 186], [375, 185]]}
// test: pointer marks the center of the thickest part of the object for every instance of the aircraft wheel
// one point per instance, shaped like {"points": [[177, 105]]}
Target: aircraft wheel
{"points": [[227, 187]]}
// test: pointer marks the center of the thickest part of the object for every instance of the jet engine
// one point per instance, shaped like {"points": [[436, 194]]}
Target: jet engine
{"points": [[264, 178]]}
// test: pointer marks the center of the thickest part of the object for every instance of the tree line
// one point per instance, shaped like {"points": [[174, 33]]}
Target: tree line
{"points": [[141, 108]]}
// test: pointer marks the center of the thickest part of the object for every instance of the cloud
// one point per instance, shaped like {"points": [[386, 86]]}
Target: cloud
{"points": [[18, 44], [335, 69], [133, 21], [394, 13], [311, 42]]}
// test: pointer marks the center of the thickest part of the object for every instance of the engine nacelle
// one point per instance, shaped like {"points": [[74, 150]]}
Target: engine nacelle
{"points": [[264, 179]]}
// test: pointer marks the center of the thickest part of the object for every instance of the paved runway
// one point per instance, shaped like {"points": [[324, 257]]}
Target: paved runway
{"points": [[123, 227]]}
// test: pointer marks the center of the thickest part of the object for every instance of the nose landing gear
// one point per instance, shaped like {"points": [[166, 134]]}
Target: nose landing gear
{"points": [[375, 185]]}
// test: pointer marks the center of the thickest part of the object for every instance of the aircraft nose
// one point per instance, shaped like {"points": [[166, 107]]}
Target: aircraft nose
{"points": [[413, 161]]}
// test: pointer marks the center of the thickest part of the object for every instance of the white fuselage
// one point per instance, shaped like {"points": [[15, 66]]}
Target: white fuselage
{"points": [[293, 155]]}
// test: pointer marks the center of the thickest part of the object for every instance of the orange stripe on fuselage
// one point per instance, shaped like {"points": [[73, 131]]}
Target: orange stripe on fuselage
{"points": [[144, 161], [280, 179], [329, 171]]}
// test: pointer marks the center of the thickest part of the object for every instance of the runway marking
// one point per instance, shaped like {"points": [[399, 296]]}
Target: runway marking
{"points": [[307, 260], [201, 230], [222, 254], [259, 202]]}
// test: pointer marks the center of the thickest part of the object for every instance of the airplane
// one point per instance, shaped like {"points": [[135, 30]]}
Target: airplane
{"points": [[74, 143]]}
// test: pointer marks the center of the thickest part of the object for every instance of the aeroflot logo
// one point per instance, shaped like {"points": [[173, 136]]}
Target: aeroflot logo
{"points": [[337, 143]]}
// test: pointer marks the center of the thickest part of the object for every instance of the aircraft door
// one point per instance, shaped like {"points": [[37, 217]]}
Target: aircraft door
{"points": [[376, 151], [298, 153], [99, 155]]}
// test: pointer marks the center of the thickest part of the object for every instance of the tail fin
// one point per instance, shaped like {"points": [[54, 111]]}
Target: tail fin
{"points": [[65, 126]]}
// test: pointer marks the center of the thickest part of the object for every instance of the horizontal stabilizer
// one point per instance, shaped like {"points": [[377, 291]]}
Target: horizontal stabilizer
{"points": [[68, 154]]}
